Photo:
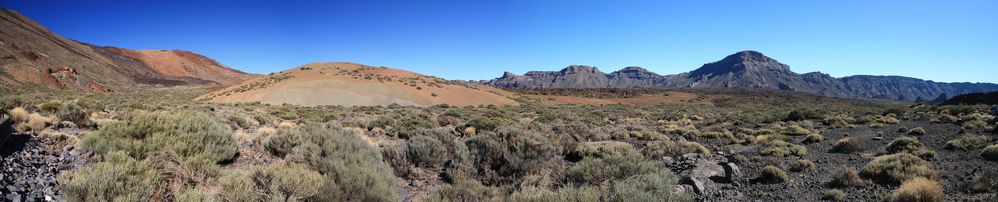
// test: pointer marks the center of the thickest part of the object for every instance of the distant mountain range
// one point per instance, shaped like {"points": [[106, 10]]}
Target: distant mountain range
{"points": [[746, 69], [31, 54]]}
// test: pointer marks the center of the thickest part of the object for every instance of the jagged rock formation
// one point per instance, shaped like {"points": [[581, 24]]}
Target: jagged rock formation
{"points": [[31, 54], [746, 69]]}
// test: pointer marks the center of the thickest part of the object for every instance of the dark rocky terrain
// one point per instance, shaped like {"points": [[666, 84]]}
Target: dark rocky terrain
{"points": [[746, 69]]}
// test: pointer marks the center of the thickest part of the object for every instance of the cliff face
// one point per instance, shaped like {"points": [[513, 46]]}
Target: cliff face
{"points": [[746, 69]]}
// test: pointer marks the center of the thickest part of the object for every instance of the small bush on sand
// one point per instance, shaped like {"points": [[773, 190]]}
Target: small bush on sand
{"points": [[773, 175], [834, 195], [490, 123], [465, 191], [813, 138], [401, 124], [189, 134], [990, 153], [9, 103], [917, 131], [50, 107], [795, 130], [846, 177], [72, 113], [593, 171], [838, 121], [781, 149], [847, 146], [659, 149], [37, 122], [911, 146], [918, 190], [968, 142], [897, 168], [426, 151], [804, 165], [511, 152]]}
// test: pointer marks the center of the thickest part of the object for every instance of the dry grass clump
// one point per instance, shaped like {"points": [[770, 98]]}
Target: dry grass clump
{"points": [[910, 145], [795, 130], [37, 122], [834, 195], [659, 149], [984, 182], [897, 168], [804, 165], [263, 132], [990, 153], [813, 138], [287, 125], [838, 121], [18, 114], [847, 146], [918, 190], [846, 177], [968, 142], [604, 148], [781, 149], [917, 131], [773, 175], [695, 147]]}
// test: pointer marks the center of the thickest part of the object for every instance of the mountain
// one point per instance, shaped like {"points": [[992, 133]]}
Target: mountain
{"points": [[31, 54], [745, 69], [350, 84]]}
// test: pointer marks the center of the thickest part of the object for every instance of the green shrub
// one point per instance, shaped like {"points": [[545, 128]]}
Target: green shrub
{"points": [[288, 182], [990, 153], [188, 133], [567, 193], [659, 149], [511, 152], [6, 104], [490, 123], [917, 131], [72, 113], [117, 178], [911, 146], [403, 123], [426, 151], [465, 191], [657, 186], [201, 194], [968, 142], [353, 170], [804, 165], [604, 148], [897, 168], [781, 149], [50, 107], [239, 121], [773, 175], [593, 171]]}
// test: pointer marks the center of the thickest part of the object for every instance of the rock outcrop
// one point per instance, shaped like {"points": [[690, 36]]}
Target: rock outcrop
{"points": [[746, 69]]}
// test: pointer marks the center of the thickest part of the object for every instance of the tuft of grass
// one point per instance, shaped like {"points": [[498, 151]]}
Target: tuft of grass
{"points": [[813, 138], [917, 131], [968, 142], [847, 146], [781, 149], [990, 153], [984, 182], [604, 148], [846, 177], [773, 175], [911, 146], [18, 114], [897, 168], [918, 190], [593, 171], [834, 195], [795, 130], [804, 165]]}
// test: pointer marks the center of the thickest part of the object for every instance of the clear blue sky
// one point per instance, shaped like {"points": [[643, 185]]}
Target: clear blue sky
{"points": [[937, 40]]}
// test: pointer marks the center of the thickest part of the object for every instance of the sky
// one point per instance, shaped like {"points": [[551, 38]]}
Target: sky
{"points": [[949, 41]]}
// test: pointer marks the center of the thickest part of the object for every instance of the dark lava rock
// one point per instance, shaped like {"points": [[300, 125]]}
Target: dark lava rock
{"points": [[29, 173]]}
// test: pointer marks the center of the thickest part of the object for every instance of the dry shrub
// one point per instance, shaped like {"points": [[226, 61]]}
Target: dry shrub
{"points": [[263, 132], [469, 131], [695, 147], [37, 122], [243, 137], [968, 142], [847, 145], [813, 138], [18, 115], [910, 145], [604, 148], [834, 195], [990, 153], [804, 165], [917, 131], [897, 168], [287, 125], [781, 149], [846, 177], [918, 190], [773, 175]]}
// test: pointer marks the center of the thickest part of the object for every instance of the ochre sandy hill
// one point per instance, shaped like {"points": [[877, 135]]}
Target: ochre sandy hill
{"points": [[350, 84]]}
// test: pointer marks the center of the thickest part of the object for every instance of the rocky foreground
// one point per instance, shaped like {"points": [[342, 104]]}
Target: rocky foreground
{"points": [[29, 168]]}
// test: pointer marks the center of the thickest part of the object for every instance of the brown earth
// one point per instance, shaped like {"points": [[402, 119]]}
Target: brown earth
{"points": [[29, 52], [350, 84]]}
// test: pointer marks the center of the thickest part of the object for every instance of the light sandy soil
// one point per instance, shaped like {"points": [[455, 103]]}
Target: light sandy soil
{"points": [[669, 98], [351, 84]]}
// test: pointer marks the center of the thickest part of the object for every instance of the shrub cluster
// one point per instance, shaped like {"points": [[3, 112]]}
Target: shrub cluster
{"points": [[772, 175], [918, 189], [781, 149], [189, 134], [968, 142], [847, 146], [897, 168], [911, 146]]}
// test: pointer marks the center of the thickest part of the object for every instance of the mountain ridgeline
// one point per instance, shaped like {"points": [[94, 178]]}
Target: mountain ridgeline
{"points": [[746, 69]]}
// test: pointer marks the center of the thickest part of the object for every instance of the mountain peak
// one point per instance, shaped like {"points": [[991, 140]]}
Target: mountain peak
{"points": [[744, 61], [572, 69]]}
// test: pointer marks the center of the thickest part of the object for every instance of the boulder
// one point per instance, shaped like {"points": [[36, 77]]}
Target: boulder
{"points": [[731, 172]]}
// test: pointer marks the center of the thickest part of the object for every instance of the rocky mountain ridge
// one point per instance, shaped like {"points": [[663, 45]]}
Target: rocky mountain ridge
{"points": [[745, 69]]}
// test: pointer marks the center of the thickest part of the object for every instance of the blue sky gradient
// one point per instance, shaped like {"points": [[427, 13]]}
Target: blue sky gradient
{"points": [[947, 41]]}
